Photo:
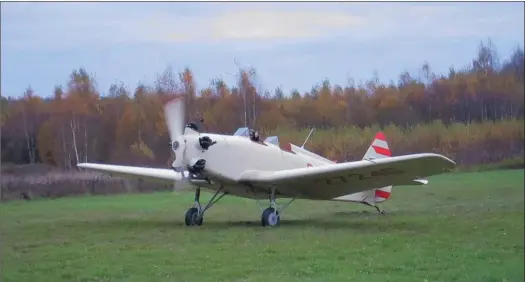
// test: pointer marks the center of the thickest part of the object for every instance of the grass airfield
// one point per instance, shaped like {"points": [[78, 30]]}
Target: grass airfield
{"points": [[460, 227]]}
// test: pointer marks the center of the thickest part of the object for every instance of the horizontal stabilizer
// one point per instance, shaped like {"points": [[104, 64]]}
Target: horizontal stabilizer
{"points": [[421, 181]]}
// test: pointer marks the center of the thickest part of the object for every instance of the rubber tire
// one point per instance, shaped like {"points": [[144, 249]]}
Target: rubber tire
{"points": [[191, 217], [267, 218]]}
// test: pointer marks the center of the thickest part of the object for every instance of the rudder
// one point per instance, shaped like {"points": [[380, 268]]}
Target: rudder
{"points": [[379, 149]]}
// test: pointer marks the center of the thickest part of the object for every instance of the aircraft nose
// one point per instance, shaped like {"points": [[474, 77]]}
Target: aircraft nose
{"points": [[177, 157], [175, 145]]}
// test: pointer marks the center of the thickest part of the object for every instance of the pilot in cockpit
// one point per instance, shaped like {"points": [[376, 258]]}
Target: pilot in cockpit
{"points": [[254, 135]]}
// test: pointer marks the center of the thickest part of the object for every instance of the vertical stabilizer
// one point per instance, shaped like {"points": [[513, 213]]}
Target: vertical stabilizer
{"points": [[378, 149]]}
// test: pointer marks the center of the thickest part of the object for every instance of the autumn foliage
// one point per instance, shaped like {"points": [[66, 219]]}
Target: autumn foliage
{"points": [[473, 115]]}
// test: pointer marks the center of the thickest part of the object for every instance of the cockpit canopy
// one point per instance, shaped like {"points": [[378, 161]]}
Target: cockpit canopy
{"points": [[242, 131], [272, 140]]}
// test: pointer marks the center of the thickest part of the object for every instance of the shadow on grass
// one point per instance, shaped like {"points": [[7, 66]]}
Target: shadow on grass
{"points": [[370, 224], [314, 223]]}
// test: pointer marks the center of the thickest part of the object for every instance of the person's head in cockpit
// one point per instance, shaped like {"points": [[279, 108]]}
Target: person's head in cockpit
{"points": [[254, 135]]}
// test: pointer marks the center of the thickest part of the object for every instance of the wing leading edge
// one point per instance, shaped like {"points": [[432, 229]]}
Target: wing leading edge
{"points": [[165, 175], [331, 181]]}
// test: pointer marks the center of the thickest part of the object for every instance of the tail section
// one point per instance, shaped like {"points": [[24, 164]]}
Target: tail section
{"points": [[378, 149], [382, 194]]}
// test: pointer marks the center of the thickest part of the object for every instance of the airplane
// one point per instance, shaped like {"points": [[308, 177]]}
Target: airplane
{"points": [[240, 165]]}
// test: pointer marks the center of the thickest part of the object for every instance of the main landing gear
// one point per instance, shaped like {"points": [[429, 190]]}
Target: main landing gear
{"points": [[195, 214], [271, 216]]}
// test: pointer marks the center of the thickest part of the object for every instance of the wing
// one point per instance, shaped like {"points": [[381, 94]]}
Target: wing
{"points": [[334, 180], [158, 174]]}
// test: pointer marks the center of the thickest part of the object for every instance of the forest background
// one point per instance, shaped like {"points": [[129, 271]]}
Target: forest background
{"points": [[474, 115]]}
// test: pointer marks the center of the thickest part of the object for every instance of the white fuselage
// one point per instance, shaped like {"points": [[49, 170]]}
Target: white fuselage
{"points": [[233, 155]]}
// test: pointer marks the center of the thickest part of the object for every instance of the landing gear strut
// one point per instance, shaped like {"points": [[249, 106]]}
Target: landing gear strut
{"points": [[271, 216], [194, 215], [381, 211]]}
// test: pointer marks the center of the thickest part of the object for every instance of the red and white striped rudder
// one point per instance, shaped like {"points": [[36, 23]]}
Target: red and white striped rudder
{"points": [[377, 150]]}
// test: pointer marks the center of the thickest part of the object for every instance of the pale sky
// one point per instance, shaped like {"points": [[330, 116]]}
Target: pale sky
{"points": [[292, 45]]}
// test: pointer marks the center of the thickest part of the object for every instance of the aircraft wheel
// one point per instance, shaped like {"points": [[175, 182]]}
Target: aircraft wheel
{"points": [[269, 218], [192, 217]]}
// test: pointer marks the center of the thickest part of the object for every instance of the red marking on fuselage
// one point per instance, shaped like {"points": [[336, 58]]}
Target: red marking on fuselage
{"points": [[309, 165]]}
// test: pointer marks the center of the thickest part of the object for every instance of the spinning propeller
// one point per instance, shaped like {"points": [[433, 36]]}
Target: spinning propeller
{"points": [[174, 113], [187, 163]]}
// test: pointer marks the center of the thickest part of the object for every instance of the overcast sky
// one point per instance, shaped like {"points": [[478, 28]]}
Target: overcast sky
{"points": [[293, 45]]}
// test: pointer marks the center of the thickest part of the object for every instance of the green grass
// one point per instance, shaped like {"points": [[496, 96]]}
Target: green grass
{"points": [[461, 227]]}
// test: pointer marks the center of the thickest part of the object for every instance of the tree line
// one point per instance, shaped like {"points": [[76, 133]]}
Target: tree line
{"points": [[79, 123]]}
